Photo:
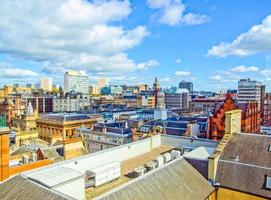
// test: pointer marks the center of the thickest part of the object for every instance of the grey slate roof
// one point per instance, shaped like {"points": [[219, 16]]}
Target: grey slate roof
{"points": [[245, 163], [20, 188], [177, 180]]}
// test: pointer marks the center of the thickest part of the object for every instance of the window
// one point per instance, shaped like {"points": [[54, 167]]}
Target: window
{"points": [[269, 148], [268, 182]]}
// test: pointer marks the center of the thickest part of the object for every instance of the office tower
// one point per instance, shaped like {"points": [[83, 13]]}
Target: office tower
{"points": [[76, 81], [186, 85], [249, 90], [178, 99], [102, 82], [46, 83]]}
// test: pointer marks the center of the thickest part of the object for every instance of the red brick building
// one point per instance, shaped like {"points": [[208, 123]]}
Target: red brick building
{"points": [[266, 119], [11, 108], [250, 122]]}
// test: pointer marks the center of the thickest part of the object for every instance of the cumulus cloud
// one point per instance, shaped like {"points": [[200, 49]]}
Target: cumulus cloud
{"points": [[172, 13], [182, 73], [70, 34], [256, 40], [243, 68], [17, 73]]}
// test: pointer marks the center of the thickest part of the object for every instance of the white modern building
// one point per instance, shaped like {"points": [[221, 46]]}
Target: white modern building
{"points": [[46, 83], [76, 81], [249, 90]]}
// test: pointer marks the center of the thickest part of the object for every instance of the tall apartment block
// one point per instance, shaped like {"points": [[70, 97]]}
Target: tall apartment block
{"points": [[76, 81]]}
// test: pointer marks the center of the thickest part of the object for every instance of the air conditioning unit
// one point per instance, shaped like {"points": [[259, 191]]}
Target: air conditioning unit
{"points": [[175, 154], [167, 157], [34, 157], [159, 161], [25, 159], [139, 171], [150, 166]]}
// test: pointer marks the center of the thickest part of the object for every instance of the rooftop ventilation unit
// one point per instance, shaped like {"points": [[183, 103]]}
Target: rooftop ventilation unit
{"points": [[159, 161], [25, 159], [34, 157], [102, 174], [167, 157], [139, 171], [150, 166], [175, 154]]}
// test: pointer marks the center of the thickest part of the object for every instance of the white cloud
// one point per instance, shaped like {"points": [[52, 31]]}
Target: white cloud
{"points": [[182, 73], [165, 79], [256, 40], [194, 19], [178, 60], [266, 72], [16, 73], [243, 68], [70, 34], [172, 13], [217, 78]]}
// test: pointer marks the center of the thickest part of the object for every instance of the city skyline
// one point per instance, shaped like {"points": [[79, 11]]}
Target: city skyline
{"points": [[213, 44]]}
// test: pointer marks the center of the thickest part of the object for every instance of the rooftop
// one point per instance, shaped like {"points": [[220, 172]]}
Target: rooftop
{"points": [[246, 157], [52, 177], [130, 156], [176, 180], [64, 117]]}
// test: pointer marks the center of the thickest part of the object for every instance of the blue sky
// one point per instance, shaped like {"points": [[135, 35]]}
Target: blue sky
{"points": [[212, 43]]}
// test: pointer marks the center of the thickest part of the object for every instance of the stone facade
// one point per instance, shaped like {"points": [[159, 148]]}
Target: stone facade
{"points": [[59, 127]]}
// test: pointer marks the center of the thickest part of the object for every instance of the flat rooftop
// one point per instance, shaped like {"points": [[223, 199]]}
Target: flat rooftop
{"points": [[127, 167], [130, 156]]}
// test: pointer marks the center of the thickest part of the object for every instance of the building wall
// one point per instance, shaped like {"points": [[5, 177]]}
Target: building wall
{"points": [[4, 154], [206, 106], [96, 141], [118, 154], [176, 100], [227, 194], [249, 90], [70, 105], [27, 167], [76, 81], [41, 104], [266, 120], [52, 132], [250, 122], [73, 148]]}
